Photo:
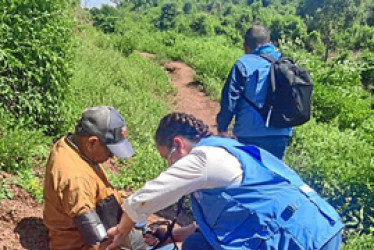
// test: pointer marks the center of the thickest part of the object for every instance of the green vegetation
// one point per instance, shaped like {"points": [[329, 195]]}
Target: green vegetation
{"points": [[36, 54], [52, 68], [337, 164], [100, 75], [333, 152], [5, 192], [134, 85]]}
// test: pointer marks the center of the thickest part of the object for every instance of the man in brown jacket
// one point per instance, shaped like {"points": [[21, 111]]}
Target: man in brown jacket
{"points": [[76, 184]]}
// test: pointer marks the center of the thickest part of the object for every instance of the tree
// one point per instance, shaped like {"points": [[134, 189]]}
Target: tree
{"points": [[166, 20], [104, 18], [329, 17], [288, 27]]}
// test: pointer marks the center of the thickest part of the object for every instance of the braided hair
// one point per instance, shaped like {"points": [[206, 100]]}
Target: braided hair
{"points": [[182, 124]]}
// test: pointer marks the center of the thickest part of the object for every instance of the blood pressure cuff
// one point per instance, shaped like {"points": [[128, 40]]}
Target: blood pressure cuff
{"points": [[109, 211], [94, 224], [91, 228]]}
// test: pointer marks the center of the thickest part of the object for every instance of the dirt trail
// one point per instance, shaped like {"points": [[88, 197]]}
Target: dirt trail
{"points": [[189, 98], [21, 225]]}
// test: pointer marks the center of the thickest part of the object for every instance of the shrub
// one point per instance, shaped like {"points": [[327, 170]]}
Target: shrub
{"points": [[35, 57], [340, 166], [359, 242], [356, 38], [123, 44], [367, 74], [338, 97], [104, 18], [287, 27], [338, 94], [314, 43], [166, 19], [20, 148]]}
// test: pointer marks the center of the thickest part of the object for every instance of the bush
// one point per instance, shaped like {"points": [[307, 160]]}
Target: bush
{"points": [[35, 57], [288, 27], [359, 242], [339, 165], [367, 73], [314, 43], [166, 19], [338, 96], [20, 148], [104, 18], [355, 38], [123, 44]]}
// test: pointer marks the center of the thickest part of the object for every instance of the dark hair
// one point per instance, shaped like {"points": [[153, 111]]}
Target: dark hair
{"points": [[256, 36], [181, 124]]}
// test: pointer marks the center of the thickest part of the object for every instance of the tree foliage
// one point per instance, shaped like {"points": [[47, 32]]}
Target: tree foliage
{"points": [[166, 20], [104, 18], [329, 17]]}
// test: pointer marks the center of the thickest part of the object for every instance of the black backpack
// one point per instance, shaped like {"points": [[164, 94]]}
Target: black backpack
{"points": [[289, 95]]}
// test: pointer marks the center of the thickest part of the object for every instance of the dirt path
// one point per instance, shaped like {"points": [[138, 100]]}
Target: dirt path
{"points": [[21, 225], [189, 98]]}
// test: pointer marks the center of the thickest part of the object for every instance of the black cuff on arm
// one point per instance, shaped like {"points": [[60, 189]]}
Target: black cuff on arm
{"points": [[91, 228]]}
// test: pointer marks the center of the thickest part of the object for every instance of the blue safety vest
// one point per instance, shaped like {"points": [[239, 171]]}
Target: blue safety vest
{"points": [[271, 209]]}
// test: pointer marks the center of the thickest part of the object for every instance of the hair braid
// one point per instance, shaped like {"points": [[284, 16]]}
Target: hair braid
{"points": [[182, 124]]}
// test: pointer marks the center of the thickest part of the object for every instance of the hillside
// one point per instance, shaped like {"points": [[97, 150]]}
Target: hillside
{"points": [[57, 58], [21, 216]]}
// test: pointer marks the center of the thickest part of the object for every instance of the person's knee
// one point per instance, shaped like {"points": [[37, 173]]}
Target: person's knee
{"points": [[136, 240]]}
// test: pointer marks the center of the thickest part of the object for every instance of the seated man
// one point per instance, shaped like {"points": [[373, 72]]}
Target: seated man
{"points": [[77, 191]]}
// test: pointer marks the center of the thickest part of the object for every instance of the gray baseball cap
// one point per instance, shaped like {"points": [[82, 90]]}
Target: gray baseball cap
{"points": [[107, 124]]}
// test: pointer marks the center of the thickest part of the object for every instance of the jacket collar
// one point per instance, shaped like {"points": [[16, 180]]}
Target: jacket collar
{"points": [[266, 48]]}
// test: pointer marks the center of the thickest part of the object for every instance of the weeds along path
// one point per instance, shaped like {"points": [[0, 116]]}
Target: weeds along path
{"points": [[189, 98]]}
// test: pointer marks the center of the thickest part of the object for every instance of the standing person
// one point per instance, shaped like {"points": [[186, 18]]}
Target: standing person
{"points": [[242, 197], [76, 184], [250, 77]]}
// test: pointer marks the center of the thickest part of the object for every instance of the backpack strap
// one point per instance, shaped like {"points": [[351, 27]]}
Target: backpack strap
{"points": [[267, 57], [265, 111], [272, 71]]}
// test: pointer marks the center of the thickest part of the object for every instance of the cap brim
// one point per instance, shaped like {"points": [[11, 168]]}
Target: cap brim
{"points": [[121, 149]]}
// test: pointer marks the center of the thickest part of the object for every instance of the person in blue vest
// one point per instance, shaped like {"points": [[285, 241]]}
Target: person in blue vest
{"points": [[249, 77], [242, 197]]}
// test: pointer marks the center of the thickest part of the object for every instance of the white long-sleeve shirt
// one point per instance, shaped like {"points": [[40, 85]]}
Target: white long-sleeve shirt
{"points": [[203, 168]]}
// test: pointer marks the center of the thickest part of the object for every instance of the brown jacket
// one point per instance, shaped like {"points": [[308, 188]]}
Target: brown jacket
{"points": [[72, 186]]}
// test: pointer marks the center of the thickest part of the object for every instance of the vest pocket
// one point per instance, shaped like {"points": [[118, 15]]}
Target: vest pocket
{"points": [[325, 208], [237, 225]]}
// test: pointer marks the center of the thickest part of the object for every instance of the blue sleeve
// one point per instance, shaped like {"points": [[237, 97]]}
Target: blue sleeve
{"points": [[230, 95]]}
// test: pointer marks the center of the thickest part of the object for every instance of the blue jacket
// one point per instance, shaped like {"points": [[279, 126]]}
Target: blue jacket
{"points": [[271, 209], [249, 75]]}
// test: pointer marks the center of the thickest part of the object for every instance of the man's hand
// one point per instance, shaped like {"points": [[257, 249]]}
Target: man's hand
{"points": [[151, 239], [117, 239]]}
